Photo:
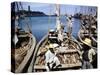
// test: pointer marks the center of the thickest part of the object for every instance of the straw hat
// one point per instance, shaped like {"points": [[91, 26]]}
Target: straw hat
{"points": [[94, 27], [51, 46], [87, 41]]}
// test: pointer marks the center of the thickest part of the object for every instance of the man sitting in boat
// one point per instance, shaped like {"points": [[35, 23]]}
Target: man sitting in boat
{"points": [[52, 61], [88, 54]]}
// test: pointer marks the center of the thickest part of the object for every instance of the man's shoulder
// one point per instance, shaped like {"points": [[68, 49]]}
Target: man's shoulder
{"points": [[91, 50]]}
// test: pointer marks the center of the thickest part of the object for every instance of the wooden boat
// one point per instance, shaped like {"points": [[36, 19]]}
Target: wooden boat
{"points": [[23, 45], [87, 32], [23, 52], [68, 54]]}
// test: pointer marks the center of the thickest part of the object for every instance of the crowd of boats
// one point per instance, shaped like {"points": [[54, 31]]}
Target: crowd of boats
{"points": [[29, 56]]}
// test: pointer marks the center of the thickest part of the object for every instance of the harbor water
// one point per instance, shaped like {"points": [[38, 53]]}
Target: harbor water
{"points": [[41, 25]]}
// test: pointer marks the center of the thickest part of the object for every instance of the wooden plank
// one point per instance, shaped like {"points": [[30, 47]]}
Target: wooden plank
{"points": [[68, 51], [25, 35], [64, 66]]}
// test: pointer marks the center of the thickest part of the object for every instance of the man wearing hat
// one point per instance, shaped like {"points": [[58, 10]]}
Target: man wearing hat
{"points": [[88, 54], [52, 60]]}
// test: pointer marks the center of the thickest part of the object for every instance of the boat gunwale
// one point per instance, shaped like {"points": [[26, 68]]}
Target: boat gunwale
{"points": [[36, 51]]}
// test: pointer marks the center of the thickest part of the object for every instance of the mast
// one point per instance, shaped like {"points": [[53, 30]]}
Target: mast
{"points": [[27, 26], [58, 24]]}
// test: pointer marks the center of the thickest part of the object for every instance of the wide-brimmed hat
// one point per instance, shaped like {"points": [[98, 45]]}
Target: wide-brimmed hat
{"points": [[94, 27], [51, 46], [87, 41]]}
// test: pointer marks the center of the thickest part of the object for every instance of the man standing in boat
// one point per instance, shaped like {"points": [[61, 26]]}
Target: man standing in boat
{"points": [[52, 61], [69, 28], [87, 54], [69, 24], [61, 35]]}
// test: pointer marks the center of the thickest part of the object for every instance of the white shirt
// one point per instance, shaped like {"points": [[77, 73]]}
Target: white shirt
{"points": [[60, 36], [90, 54], [49, 56]]}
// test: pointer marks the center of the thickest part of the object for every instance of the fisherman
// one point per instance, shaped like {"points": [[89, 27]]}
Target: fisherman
{"points": [[60, 37], [69, 24], [87, 54], [52, 61]]}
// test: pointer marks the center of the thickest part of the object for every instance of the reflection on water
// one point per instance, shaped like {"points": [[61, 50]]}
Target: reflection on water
{"points": [[41, 25]]}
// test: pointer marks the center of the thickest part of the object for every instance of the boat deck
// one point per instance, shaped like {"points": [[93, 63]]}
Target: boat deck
{"points": [[68, 54]]}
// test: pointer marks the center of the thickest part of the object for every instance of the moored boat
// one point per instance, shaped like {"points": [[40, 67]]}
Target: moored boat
{"points": [[88, 30], [67, 51], [22, 45]]}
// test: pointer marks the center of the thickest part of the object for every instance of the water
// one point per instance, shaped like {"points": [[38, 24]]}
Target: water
{"points": [[41, 25]]}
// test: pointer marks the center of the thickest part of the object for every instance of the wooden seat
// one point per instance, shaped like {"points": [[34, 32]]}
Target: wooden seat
{"points": [[64, 66]]}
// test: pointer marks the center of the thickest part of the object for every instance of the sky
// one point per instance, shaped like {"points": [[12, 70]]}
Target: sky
{"points": [[49, 9]]}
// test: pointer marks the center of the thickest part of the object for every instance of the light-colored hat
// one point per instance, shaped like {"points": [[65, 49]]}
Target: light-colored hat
{"points": [[94, 27], [87, 41], [55, 45], [51, 46], [51, 30]]}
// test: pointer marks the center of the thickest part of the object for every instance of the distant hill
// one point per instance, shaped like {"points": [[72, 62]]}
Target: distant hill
{"points": [[35, 13], [30, 13]]}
